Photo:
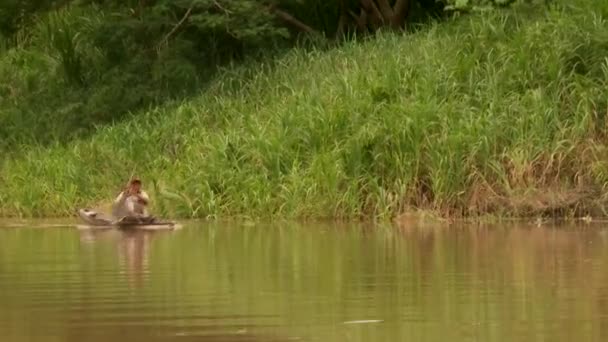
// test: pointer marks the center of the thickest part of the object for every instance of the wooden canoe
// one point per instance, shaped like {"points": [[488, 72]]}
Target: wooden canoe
{"points": [[97, 220]]}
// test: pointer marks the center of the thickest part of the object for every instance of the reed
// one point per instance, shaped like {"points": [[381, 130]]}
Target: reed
{"points": [[498, 113]]}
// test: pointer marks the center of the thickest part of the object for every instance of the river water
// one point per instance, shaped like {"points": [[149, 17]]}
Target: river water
{"points": [[286, 282]]}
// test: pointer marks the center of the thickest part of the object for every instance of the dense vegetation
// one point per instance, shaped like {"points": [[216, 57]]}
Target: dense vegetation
{"points": [[88, 62], [499, 111], [93, 62]]}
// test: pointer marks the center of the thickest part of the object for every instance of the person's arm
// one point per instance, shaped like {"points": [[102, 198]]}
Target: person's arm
{"points": [[144, 198], [118, 204], [121, 198]]}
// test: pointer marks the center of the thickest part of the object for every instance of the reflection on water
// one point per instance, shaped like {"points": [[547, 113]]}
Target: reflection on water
{"points": [[308, 283], [132, 250]]}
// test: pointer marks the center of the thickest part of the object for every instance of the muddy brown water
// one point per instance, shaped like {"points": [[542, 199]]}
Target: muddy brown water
{"points": [[287, 282]]}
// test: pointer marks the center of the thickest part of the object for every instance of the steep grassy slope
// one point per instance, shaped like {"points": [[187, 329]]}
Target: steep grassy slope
{"points": [[500, 113]]}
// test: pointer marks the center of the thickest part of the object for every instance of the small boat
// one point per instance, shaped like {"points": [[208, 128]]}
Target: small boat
{"points": [[94, 219]]}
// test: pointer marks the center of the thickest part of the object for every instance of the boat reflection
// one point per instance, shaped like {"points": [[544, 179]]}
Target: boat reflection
{"points": [[132, 247]]}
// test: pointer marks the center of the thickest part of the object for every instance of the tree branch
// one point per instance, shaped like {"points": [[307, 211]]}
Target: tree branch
{"points": [[401, 10], [176, 27], [377, 20], [360, 20], [386, 9], [366, 4], [378, 17], [401, 6], [288, 18], [220, 7]]}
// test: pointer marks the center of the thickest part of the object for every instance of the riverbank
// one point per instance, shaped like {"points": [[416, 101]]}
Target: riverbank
{"points": [[499, 113]]}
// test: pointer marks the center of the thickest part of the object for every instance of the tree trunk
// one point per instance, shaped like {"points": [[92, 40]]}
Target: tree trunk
{"points": [[343, 21], [382, 14], [400, 13]]}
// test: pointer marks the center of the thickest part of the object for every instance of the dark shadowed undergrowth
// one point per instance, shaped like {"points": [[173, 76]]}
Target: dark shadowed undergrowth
{"points": [[499, 113], [76, 68]]}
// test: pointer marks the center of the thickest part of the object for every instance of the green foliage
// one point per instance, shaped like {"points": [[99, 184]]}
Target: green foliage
{"points": [[500, 112], [92, 63], [15, 14], [95, 62]]}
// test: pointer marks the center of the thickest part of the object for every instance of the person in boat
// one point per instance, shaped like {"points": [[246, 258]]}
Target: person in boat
{"points": [[132, 202]]}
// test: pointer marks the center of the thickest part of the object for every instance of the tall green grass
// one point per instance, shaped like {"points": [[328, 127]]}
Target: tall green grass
{"points": [[64, 74], [501, 113]]}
